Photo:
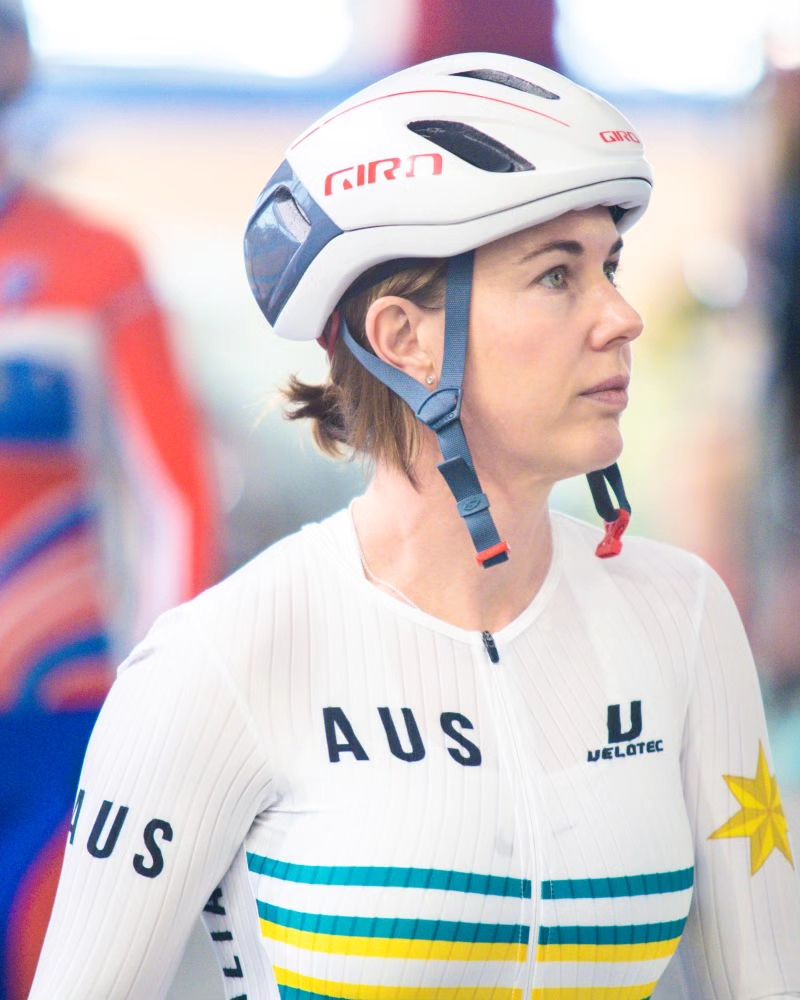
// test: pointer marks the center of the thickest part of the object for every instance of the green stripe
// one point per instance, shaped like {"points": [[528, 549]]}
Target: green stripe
{"points": [[395, 927], [614, 934], [406, 878], [293, 993], [623, 885]]}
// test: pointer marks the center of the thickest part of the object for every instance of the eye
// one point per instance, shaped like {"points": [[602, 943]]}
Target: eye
{"points": [[610, 269], [555, 278]]}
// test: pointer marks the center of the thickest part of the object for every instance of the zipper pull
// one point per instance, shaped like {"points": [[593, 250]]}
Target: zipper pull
{"points": [[489, 646]]}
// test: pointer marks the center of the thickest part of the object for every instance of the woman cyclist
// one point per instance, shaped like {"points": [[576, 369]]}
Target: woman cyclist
{"points": [[431, 748]]}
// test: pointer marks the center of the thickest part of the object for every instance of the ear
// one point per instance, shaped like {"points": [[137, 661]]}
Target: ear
{"points": [[406, 336]]}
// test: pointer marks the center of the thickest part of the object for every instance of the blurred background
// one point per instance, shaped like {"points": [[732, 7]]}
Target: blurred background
{"points": [[158, 122]]}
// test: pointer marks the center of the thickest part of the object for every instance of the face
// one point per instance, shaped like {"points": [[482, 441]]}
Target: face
{"points": [[550, 349]]}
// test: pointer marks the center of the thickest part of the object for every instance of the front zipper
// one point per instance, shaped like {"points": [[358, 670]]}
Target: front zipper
{"points": [[527, 826], [489, 646]]}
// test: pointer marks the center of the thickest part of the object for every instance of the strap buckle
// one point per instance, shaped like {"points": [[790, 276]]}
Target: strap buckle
{"points": [[494, 552], [440, 408]]}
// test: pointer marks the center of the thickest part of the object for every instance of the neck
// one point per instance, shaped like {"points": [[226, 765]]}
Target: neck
{"points": [[415, 543]]}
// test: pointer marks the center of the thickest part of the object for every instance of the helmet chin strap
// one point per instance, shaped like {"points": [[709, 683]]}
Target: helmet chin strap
{"points": [[440, 410], [616, 518]]}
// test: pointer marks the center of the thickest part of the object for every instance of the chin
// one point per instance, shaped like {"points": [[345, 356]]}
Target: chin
{"points": [[564, 456], [603, 451]]}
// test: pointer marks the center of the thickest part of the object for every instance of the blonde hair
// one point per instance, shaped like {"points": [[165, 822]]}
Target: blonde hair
{"points": [[352, 412]]}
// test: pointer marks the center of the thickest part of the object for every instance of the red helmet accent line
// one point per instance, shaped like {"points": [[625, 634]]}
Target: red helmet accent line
{"points": [[407, 93]]}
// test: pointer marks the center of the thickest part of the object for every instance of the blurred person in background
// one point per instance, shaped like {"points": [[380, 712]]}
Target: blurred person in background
{"points": [[106, 506], [399, 754], [776, 599]]}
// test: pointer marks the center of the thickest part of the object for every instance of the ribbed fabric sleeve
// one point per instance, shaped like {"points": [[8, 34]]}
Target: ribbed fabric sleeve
{"points": [[173, 778], [741, 941]]}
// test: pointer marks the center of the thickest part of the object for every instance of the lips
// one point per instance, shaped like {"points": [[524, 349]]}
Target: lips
{"points": [[612, 391], [618, 382]]}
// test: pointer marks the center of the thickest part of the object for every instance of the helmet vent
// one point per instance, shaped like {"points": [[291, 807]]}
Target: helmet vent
{"points": [[507, 80], [290, 215], [472, 146]]}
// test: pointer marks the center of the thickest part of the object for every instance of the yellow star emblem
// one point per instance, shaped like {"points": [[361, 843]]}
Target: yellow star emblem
{"points": [[761, 817]]}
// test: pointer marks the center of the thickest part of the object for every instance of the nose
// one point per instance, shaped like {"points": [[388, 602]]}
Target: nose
{"points": [[616, 319]]}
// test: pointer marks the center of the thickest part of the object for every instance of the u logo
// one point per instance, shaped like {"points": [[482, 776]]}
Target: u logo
{"points": [[615, 733]]}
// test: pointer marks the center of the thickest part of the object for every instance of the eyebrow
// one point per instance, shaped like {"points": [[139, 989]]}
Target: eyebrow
{"points": [[566, 246]]}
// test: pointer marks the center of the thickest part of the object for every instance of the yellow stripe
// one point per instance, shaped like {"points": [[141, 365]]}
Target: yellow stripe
{"points": [[595, 992], [606, 952], [447, 951], [354, 991]]}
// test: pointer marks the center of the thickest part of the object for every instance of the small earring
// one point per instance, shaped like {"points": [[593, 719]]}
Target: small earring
{"points": [[429, 379]]}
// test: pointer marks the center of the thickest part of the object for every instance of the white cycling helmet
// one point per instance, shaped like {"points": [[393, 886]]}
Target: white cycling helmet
{"points": [[435, 161]]}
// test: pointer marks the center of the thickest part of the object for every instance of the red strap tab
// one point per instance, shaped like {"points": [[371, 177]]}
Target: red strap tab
{"points": [[495, 550], [611, 544], [330, 333]]}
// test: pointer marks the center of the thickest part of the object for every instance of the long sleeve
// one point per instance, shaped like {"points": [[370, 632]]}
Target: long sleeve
{"points": [[742, 940], [173, 778]]}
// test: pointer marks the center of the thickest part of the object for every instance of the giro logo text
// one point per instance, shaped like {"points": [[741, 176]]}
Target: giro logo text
{"points": [[106, 829], [391, 168], [633, 747], [616, 136]]}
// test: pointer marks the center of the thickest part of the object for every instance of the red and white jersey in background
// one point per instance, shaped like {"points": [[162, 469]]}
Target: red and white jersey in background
{"points": [[106, 515]]}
